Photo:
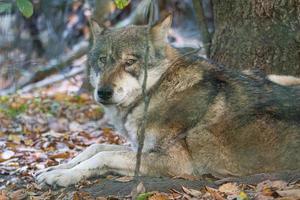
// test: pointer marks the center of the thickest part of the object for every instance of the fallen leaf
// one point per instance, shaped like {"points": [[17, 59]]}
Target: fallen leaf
{"points": [[292, 193], [214, 193], [279, 185], [82, 195], [19, 195], [101, 198], [62, 97], [269, 192], [192, 192], [14, 138], [59, 125], [85, 97], [6, 155], [158, 196], [124, 179], [260, 196], [28, 142], [63, 155], [11, 145], [3, 195], [229, 188], [76, 196]]}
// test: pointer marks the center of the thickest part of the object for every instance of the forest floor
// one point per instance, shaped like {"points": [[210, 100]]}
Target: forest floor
{"points": [[46, 128]]}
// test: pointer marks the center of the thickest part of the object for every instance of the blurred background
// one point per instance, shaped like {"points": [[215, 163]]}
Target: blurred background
{"points": [[48, 49]]}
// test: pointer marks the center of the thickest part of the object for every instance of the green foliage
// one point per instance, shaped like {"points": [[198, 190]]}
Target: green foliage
{"points": [[144, 196], [5, 7], [25, 7], [4, 99], [121, 4], [13, 112]]}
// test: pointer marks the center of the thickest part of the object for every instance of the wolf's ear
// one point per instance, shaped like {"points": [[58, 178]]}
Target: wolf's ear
{"points": [[159, 31], [96, 28]]}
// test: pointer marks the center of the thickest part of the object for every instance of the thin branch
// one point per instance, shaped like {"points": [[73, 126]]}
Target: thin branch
{"points": [[57, 64], [141, 131], [52, 80], [53, 67], [202, 25]]}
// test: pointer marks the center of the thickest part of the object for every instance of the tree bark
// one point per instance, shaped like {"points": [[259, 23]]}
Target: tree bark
{"points": [[262, 34]]}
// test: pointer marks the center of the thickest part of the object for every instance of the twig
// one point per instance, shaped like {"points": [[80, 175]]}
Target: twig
{"points": [[56, 65], [141, 131], [202, 23], [53, 79], [53, 67]]}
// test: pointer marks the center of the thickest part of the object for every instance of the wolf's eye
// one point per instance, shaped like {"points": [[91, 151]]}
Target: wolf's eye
{"points": [[103, 60], [130, 62]]}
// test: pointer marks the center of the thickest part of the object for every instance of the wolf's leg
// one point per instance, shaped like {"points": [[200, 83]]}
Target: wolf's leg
{"points": [[121, 162], [86, 154]]}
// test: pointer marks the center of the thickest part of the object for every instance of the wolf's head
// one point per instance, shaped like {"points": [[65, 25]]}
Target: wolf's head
{"points": [[117, 58]]}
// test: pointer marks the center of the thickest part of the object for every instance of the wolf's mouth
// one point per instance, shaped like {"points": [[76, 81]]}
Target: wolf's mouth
{"points": [[104, 102]]}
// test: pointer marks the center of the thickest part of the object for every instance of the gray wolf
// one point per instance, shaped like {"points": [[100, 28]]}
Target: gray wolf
{"points": [[203, 118]]}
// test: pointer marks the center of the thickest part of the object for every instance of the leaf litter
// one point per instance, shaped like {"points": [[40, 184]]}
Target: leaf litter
{"points": [[41, 131]]}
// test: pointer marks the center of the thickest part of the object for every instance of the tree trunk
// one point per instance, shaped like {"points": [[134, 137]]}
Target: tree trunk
{"points": [[262, 34]]}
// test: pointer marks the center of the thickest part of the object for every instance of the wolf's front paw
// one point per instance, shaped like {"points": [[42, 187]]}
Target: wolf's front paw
{"points": [[48, 169], [60, 177]]}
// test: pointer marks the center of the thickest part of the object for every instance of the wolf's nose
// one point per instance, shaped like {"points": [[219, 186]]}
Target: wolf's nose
{"points": [[105, 93]]}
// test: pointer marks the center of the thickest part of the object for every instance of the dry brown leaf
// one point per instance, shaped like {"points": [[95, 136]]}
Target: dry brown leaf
{"points": [[76, 196], [62, 97], [124, 179], [85, 196], [214, 193], [292, 193], [110, 177], [263, 197], [192, 192], [85, 97], [19, 195], [6, 155], [63, 155], [229, 188], [15, 105], [14, 138], [159, 196], [13, 164], [101, 198], [267, 188], [269, 192], [28, 142], [59, 125], [11, 145], [3, 195], [279, 185], [276, 185], [86, 135], [175, 196]]}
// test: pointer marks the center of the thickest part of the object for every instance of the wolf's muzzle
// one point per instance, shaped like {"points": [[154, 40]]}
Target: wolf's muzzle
{"points": [[105, 93]]}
